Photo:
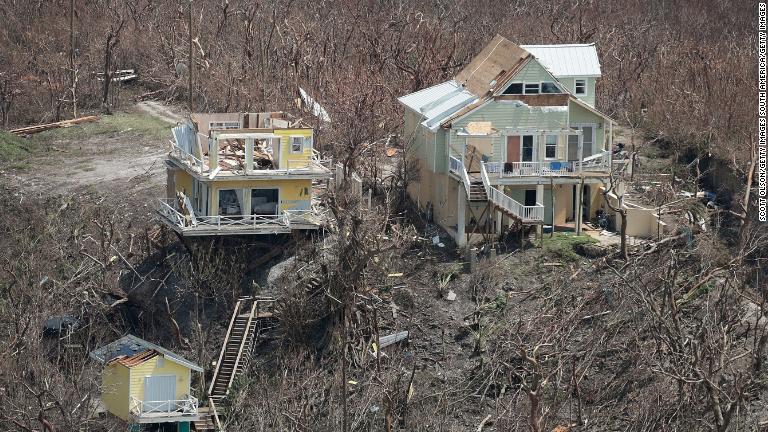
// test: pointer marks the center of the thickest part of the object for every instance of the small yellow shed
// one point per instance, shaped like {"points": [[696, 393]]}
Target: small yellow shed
{"points": [[144, 383]]}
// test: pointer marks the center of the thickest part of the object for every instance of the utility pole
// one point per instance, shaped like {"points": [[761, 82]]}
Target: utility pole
{"points": [[191, 64], [72, 56]]}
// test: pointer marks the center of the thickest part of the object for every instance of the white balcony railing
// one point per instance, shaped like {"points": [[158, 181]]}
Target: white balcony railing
{"points": [[597, 162], [289, 219], [186, 407], [500, 199]]}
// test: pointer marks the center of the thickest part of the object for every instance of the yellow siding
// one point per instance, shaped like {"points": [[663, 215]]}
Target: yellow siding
{"points": [[183, 181], [114, 389], [293, 193], [285, 146], [150, 368]]}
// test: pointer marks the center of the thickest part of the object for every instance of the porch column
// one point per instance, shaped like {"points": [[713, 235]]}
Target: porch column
{"points": [[461, 238], [540, 200], [581, 151], [499, 220]]}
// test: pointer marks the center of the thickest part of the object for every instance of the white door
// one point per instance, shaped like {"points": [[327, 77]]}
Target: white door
{"points": [[158, 392]]}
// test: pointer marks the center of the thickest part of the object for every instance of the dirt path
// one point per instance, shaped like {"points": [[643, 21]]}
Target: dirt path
{"points": [[124, 164], [158, 110]]}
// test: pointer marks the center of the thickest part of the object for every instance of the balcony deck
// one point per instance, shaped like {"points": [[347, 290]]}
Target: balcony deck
{"points": [[164, 411], [195, 225]]}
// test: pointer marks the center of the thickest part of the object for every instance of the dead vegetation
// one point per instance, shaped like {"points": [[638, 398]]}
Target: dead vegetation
{"points": [[673, 338]]}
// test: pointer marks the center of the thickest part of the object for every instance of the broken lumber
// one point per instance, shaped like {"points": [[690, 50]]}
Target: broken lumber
{"points": [[29, 130], [388, 340]]}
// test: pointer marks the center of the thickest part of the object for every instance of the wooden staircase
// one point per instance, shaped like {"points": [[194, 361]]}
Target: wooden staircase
{"points": [[251, 317], [477, 191]]}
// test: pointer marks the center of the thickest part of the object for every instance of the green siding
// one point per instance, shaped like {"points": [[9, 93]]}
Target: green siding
{"points": [[426, 145], [581, 115], [570, 82], [506, 114], [533, 72]]}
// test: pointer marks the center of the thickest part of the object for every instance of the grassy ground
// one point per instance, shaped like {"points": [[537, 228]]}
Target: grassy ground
{"points": [[563, 245], [82, 140], [13, 149], [118, 123]]}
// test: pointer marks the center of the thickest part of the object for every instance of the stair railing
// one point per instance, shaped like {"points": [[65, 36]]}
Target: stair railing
{"points": [[236, 312], [242, 346]]}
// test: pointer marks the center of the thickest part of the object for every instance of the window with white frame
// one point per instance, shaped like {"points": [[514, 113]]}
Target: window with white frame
{"points": [[580, 87], [308, 142], [550, 147], [532, 88], [297, 144]]}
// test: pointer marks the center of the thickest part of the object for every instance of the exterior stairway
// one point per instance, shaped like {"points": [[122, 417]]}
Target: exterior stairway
{"points": [[477, 191], [250, 317]]}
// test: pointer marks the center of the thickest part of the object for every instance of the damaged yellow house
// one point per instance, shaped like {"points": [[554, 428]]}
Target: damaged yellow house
{"points": [[242, 173]]}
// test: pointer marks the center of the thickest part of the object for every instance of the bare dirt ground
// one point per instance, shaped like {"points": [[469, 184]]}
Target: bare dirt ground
{"points": [[121, 155]]}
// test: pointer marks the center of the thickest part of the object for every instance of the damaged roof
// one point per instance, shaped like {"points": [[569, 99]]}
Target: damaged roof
{"points": [[491, 70], [493, 66], [569, 60], [438, 102], [131, 350]]}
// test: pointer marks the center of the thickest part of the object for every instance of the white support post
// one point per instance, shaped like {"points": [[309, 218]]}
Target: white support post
{"points": [[581, 152], [248, 155], [499, 217], [461, 223]]}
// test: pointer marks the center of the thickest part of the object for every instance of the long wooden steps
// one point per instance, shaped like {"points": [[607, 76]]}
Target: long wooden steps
{"points": [[250, 317]]}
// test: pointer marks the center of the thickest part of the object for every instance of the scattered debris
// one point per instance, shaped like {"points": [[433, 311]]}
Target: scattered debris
{"points": [[395, 275], [317, 109], [451, 296], [394, 338], [123, 75], [29, 130]]}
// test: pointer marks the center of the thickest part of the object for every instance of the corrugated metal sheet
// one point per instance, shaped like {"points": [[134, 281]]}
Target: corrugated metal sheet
{"points": [[135, 359], [185, 136], [130, 345], [567, 60], [438, 102]]}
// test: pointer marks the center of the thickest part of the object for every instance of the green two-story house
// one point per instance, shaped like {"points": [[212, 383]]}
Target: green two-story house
{"points": [[513, 138]]}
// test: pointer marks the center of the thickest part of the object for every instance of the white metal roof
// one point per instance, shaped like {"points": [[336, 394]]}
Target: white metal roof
{"points": [[438, 102], [567, 60]]}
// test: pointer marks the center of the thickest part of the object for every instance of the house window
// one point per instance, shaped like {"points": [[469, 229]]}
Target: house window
{"points": [[532, 88], [515, 89], [580, 87], [587, 135], [527, 155], [297, 144], [160, 362], [549, 88], [550, 147], [308, 142], [265, 201]]}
